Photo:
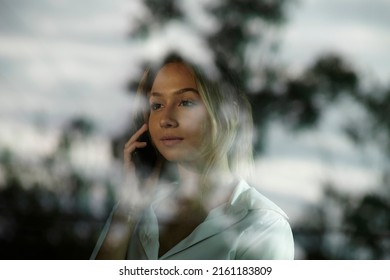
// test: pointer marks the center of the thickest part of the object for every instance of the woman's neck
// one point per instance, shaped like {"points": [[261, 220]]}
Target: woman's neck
{"points": [[211, 189]]}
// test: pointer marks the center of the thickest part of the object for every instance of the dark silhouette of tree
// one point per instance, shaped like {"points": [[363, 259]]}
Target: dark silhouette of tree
{"points": [[369, 226], [346, 227], [47, 214]]}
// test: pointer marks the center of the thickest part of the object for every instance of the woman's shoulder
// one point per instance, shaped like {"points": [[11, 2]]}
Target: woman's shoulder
{"points": [[249, 198], [265, 230]]}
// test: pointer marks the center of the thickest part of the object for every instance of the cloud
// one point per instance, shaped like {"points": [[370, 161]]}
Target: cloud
{"points": [[357, 30], [61, 59], [305, 177]]}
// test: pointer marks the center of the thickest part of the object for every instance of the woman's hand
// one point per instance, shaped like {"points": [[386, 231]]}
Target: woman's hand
{"points": [[133, 198], [131, 146], [135, 194]]}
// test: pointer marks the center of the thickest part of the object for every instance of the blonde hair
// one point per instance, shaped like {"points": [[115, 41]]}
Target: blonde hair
{"points": [[230, 117]]}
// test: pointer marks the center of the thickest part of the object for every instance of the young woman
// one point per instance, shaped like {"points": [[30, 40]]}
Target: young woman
{"points": [[190, 200]]}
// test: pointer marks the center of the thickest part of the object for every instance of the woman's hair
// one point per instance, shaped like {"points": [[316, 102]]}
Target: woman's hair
{"points": [[229, 112]]}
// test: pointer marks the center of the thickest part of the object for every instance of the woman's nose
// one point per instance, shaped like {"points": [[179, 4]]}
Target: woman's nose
{"points": [[168, 119]]}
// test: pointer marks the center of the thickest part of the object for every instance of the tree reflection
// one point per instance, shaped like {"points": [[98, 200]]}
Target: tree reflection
{"points": [[45, 211], [346, 227]]}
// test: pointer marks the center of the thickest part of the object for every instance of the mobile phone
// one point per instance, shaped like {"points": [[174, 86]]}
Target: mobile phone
{"points": [[145, 159]]}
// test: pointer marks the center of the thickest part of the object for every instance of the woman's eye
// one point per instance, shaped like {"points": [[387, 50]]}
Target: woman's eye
{"points": [[155, 106], [187, 103]]}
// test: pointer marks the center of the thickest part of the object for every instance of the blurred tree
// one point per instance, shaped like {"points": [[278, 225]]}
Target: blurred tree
{"points": [[346, 227], [45, 208], [369, 227], [349, 226]]}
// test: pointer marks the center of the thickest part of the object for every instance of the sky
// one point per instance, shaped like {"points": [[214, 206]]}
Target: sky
{"points": [[357, 29], [61, 59]]}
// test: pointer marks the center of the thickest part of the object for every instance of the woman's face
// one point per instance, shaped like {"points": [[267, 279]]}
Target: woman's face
{"points": [[178, 121]]}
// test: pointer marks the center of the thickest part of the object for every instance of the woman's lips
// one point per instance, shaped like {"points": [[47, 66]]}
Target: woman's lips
{"points": [[171, 140]]}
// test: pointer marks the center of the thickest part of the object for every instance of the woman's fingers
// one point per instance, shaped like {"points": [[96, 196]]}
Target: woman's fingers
{"points": [[135, 145], [132, 194], [136, 135], [132, 145]]}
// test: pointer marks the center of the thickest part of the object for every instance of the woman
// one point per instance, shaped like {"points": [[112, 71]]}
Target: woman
{"points": [[192, 201]]}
